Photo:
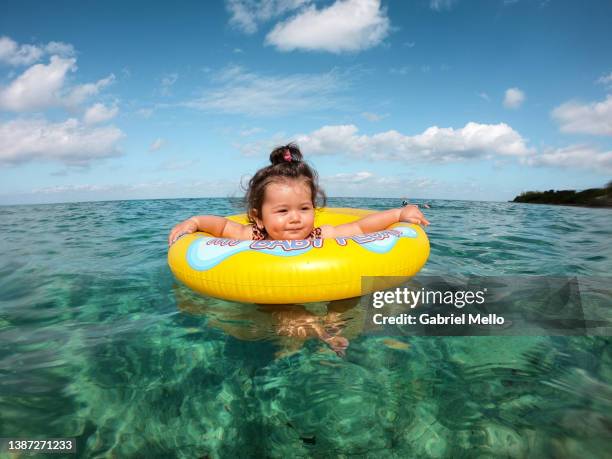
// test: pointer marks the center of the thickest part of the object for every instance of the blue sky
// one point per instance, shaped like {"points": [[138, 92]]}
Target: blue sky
{"points": [[449, 99]]}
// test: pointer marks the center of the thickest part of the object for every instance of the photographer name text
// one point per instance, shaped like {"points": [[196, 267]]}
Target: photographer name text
{"points": [[438, 319]]}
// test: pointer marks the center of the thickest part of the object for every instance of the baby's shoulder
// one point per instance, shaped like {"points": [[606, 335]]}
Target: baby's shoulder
{"points": [[234, 230]]}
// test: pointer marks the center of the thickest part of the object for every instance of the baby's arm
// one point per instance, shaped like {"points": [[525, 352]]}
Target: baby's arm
{"points": [[212, 224], [376, 222]]}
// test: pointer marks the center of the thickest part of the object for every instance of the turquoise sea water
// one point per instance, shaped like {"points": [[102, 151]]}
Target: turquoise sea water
{"points": [[100, 343]]}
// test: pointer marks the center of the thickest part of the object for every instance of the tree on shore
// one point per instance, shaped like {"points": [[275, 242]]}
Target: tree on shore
{"points": [[594, 197]]}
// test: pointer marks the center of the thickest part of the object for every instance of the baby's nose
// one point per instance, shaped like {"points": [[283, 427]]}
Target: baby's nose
{"points": [[294, 216]]}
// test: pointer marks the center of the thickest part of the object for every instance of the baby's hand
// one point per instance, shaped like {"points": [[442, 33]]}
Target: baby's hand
{"points": [[412, 214], [186, 227]]}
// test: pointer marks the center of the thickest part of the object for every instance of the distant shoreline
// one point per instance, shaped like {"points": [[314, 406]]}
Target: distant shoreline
{"points": [[598, 206], [593, 197]]}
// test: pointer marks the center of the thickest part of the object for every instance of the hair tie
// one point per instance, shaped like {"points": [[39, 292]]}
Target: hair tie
{"points": [[287, 156]]}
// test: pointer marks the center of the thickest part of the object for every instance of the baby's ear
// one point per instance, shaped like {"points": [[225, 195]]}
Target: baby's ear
{"points": [[254, 215]]}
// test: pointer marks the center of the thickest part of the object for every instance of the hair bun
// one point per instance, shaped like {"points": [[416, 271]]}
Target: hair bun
{"points": [[289, 153]]}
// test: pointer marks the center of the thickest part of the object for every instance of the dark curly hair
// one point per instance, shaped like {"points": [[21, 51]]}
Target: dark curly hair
{"points": [[287, 164]]}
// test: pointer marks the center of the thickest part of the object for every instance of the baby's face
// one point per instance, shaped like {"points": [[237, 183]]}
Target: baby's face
{"points": [[287, 211]]}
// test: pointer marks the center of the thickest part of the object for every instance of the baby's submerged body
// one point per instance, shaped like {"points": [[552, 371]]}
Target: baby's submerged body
{"points": [[281, 201]]}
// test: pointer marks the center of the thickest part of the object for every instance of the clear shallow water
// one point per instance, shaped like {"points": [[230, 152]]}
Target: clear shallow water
{"points": [[98, 342]]}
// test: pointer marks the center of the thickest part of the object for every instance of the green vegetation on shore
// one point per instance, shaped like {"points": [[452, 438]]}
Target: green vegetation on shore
{"points": [[593, 197]]}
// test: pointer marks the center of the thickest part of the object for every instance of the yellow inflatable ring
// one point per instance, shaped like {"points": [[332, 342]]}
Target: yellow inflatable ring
{"points": [[298, 271]]}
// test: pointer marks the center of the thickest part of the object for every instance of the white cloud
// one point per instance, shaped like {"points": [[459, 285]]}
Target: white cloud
{"points": [[243, 17], [240, 92], [70, 188], [404, 70], [606, 80], [99, 113], [69, 142], [248, 14], [346, 25], [15, 54], [85, 189], [262, 146], [514, 98], [441, 5], [59, 48], [485, 96], [80, 93], [434, 144], [148, 189], [170, 79], [374, 117], [145, 112], [370, 184], [167, 82], [250, 131], [357, 177], [157, 144], [592, 118], [38, 87], [473, 141], [42, 86], [574, 156]]}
